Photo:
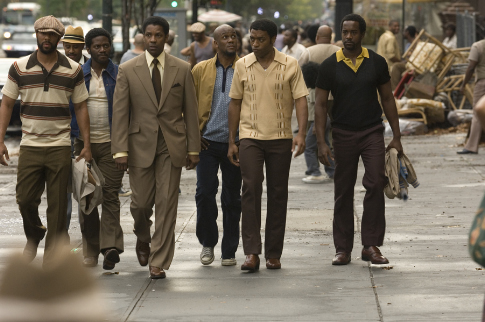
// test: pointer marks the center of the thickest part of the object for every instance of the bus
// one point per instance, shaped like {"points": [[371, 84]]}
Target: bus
{"points": [[20, 13]]}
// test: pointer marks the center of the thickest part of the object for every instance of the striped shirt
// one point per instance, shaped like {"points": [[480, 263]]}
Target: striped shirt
{"points": [[44, 106]]}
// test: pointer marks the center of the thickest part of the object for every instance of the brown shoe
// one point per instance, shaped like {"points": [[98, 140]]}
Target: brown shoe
{"points": [[341, 258], [156, 273], [111, 257], [373, 254], [142, 252], [30, 250], [90, 261], [273, 263], [251, 263]]}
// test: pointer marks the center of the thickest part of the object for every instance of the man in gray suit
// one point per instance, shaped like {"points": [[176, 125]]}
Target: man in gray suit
{"points": [[155, 133]]}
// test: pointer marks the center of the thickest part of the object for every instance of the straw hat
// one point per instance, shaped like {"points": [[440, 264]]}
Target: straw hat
{"points": [[197, 27], [74, 35]]}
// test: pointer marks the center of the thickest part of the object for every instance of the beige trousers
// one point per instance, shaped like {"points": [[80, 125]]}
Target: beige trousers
{"points": [[476, 127], [156, 185]]}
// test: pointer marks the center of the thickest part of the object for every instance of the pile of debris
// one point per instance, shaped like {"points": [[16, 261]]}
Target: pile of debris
{"points": [[428, 92]]}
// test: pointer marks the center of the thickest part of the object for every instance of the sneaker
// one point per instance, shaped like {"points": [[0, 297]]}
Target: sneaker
{"points": [[207, 255], [316, 179], [123, 193], [228, 262]]}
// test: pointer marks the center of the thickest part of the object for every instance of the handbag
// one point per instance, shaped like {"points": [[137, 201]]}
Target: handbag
{"points": [[476, 240]]}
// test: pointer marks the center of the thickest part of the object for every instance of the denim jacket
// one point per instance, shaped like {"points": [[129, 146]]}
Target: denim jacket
{"points": [[109, 78]]}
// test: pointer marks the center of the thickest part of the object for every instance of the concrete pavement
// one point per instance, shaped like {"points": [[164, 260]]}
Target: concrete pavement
{"points": [[430, 276]]}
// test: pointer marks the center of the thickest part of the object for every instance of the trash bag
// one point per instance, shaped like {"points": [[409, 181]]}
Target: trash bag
{"points": [[460, 116], [407, 128]]}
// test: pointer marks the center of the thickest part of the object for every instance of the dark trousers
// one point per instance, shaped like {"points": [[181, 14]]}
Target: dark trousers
{"points": [[348, 147], [100, 235], [205, 197], [276, 156], [40, 168]]}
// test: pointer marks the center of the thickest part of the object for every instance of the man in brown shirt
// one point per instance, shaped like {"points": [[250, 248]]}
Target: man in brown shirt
{"points": [[265, 86]]}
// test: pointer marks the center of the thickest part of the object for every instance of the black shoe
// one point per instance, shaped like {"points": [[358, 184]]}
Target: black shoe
{"points": [[111, 257], [465, 151]]}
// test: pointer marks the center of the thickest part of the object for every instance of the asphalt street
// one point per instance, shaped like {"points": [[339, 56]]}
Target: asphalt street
{"points": [[430, 276]]}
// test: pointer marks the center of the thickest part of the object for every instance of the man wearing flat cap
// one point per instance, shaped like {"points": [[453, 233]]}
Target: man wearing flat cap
{"points": [[73, 43], [45, 80], [203, 47]]}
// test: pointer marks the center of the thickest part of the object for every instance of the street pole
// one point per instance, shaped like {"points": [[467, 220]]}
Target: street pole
{"points": [[195, 6], [403, 24], [108, 15], [342, 8]]}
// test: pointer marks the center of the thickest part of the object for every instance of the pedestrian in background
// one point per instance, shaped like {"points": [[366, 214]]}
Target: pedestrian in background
{"points": [[266, 86], [292, 47], [73, 43], [387, 45], [476, 64], [45, 148], [213, 79], [317, 54], [135, 52], [354, 76], [155, 133], [105, 236], [202, 48]]}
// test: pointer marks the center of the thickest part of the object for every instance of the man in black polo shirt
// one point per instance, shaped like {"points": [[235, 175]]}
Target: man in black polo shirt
{"points": [[354, 75]]}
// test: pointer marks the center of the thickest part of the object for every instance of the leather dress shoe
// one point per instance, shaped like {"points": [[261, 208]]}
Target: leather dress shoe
{"points": [[341, 258], [142, 252], [30, 250], [373, 254], [111, 257], [90, 261], [156, 273], [273, 263], [251, 263], [465, 151]]}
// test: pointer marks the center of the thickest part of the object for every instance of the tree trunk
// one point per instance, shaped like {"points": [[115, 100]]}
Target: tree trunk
{"points": [[125, 23]]}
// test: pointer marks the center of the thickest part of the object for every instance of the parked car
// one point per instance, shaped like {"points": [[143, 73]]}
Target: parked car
{"points": [[19, 43], [15, 123]]}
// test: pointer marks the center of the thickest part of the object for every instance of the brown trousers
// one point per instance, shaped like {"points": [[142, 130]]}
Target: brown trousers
{"points": [[107, 233], [348, 147], [156, 185], [476, 127], [40, 168], [276, 156]]}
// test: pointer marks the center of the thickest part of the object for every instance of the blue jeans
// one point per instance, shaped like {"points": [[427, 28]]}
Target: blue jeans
{"points": [[205, 197], [311, 152]]}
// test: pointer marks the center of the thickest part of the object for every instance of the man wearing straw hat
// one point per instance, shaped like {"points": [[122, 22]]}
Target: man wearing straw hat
{"points": [[203, 47], [73, 43]]}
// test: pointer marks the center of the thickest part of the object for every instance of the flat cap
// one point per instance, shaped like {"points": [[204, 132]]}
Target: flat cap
{"points": [[197, 27], [49, 24], [74, 35]]}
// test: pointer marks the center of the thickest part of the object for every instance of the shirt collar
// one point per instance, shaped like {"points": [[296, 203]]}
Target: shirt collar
{"points": [[278, 56], [61, 60], [341, 56], [150, 58]]}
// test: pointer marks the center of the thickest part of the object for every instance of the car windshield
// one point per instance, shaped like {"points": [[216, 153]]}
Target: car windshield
{"points": [[24, 36]]}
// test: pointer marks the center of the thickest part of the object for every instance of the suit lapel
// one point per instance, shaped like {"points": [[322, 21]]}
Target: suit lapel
{"points": [[169, 72], [143, 73]]}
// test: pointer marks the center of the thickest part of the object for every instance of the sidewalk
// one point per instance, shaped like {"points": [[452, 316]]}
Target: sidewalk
{"points": [[430, 276]]}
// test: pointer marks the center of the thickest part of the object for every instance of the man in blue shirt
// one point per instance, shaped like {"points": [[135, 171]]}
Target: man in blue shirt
{"points": [[213, 79]]}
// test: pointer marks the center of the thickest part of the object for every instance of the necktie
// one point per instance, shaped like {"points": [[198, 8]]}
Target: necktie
{"points": [[157, 80]]}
